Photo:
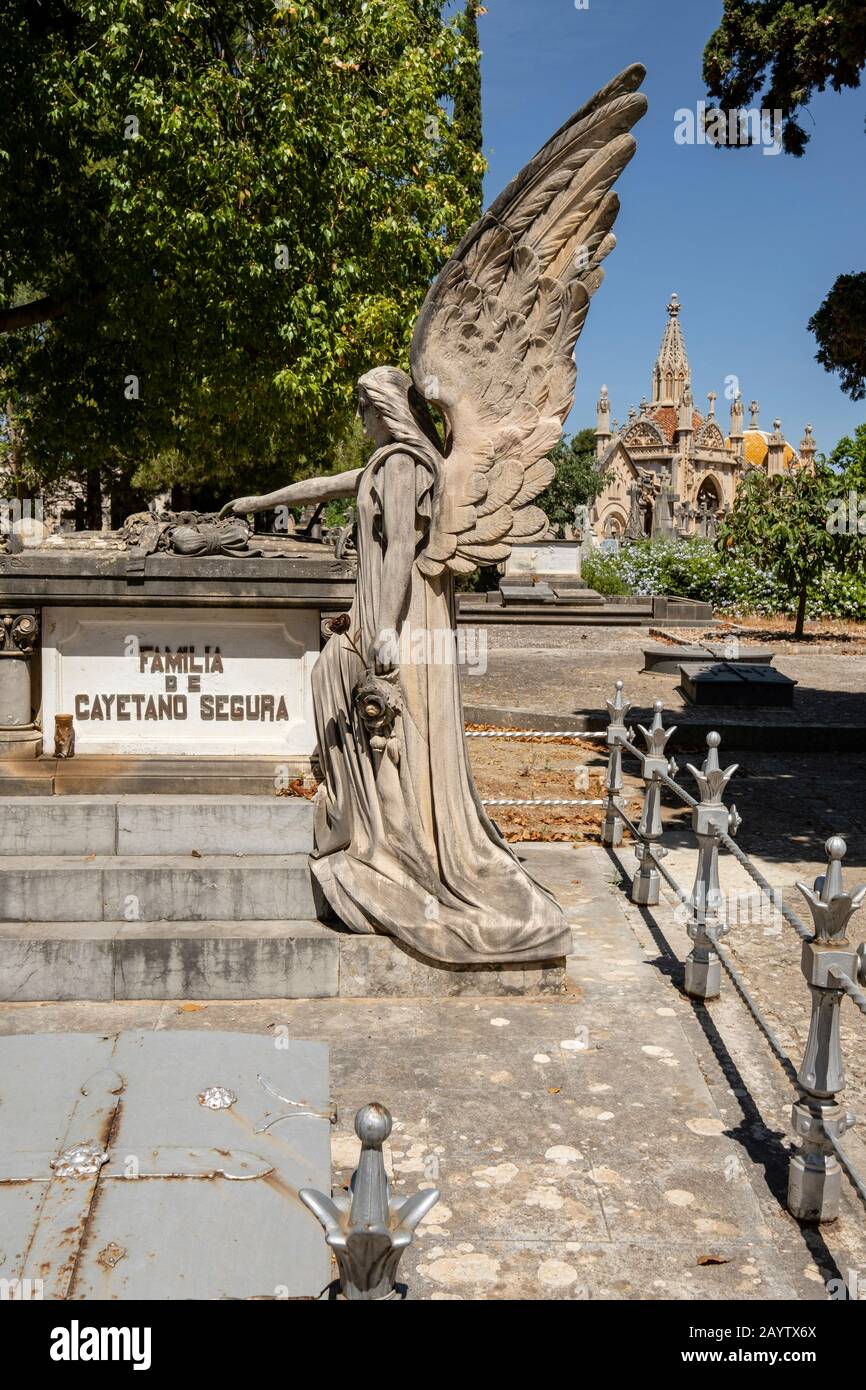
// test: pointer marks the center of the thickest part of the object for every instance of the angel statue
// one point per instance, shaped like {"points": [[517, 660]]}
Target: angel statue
{"points": [[402, 843]]}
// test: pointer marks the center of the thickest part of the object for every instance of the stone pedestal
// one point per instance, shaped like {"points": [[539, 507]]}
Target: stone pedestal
{"points": [[180, 672], [19, 736], [548, 571]]}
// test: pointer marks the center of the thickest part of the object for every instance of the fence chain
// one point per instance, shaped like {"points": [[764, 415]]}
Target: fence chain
{"points": [[550, 801], [804, 933], [847, 986], [533, 733]]}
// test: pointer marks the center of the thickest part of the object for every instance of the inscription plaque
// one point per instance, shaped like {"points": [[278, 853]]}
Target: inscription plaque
{"points": [[181, 680]]}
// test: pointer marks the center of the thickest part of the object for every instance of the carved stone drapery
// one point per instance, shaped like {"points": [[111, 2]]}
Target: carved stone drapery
{"points": [[183, 533]]}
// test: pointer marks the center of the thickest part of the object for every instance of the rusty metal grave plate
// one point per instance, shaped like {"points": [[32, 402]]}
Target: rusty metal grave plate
{"points": [[163, 1165]]}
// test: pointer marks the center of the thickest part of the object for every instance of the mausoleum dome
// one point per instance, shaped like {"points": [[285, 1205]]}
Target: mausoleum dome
{"points": [[756, 447]]}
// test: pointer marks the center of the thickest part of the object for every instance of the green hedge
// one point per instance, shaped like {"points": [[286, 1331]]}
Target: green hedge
{"points": [[695, 569]]}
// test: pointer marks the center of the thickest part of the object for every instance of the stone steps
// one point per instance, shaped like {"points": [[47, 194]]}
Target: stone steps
{"points": [[169, 897], [279, 959], [145, 888], [90, 774], [155, 825]]}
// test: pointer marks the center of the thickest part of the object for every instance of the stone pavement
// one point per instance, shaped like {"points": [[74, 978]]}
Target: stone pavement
{"points": [[764, 948], [615, 1142]]}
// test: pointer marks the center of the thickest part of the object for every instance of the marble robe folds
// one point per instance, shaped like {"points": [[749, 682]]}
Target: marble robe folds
{"points": [[403, 844]]}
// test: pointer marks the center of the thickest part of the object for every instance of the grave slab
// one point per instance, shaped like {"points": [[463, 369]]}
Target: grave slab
{"points": [[668, 659], [526, 593], [726, 683], [159, 1165]]}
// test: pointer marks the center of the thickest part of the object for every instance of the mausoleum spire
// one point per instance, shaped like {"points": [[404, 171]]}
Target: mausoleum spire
{"points": [[807, 448], [671, 371], [602, 422], [736, 435], [776, 450]]}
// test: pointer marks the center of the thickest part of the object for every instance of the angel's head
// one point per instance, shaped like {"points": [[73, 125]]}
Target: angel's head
{"points": [[392, 411]]}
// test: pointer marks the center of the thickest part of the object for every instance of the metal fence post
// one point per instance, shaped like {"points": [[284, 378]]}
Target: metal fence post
{"points": [[814, 1177], [617, 734], [646, 882], [703, 975]]}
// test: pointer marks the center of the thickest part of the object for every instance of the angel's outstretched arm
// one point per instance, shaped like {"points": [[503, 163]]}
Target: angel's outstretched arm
{"points": [[310, 490]]}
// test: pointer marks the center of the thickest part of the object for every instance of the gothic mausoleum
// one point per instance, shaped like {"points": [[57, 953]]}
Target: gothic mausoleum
{"points": [[672, 471]]}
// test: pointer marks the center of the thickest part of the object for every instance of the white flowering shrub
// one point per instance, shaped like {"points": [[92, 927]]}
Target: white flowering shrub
{"points": [[697, 570]]}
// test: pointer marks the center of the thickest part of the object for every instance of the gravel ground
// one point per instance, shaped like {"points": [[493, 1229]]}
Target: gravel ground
{"points": [[570, 670]]}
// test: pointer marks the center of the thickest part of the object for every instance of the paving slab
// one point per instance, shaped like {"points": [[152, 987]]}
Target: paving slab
{"points": [[216, 1212]]}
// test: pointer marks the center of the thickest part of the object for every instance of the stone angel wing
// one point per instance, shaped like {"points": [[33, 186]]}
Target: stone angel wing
{"points": [[493, 347]]}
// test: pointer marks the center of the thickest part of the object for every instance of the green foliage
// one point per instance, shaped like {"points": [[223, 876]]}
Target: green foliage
{"points": [[605, 572], [732, 583], [780, 524], [467, 105], [577, 480], [687, 569], [849, 457], [840, 331], [778, 53], [235, 204]]}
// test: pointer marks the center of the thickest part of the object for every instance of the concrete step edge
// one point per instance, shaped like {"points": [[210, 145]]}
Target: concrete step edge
{"points": [[42, 962], [45, 863], [286, 807], [268, 928], [156, 826]]}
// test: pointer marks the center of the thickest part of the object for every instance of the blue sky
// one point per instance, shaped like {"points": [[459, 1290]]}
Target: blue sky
{"points": [[751, 243]]}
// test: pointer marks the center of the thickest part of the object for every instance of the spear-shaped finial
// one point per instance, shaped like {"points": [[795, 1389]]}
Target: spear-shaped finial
{"points": [[831, 907], [369, 1230], [617, 709], [656, 736], [712, 781]]}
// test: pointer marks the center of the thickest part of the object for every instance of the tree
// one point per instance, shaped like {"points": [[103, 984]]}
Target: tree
{"points": [[783, 52], [215, 217], [577, 480], [848, 460], [840, 330], [786, 524], [467, 104]]}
